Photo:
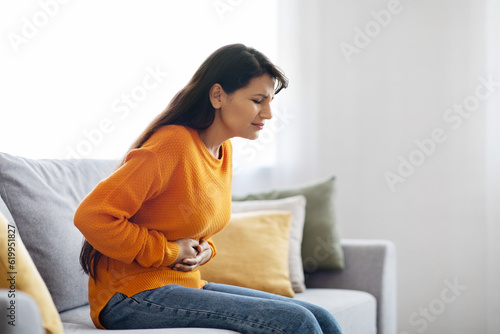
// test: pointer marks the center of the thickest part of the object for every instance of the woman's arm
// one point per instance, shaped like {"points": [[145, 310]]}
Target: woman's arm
{"points": [[103, 216]]}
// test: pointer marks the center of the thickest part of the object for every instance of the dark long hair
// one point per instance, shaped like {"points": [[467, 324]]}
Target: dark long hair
{"points": [[231, 66]]}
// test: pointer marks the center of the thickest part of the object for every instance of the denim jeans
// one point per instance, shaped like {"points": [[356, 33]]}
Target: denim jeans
{"points": [[216, 306]]}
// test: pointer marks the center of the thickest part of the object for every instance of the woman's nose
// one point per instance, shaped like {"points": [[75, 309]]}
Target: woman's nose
{"points": [[266, 112]]}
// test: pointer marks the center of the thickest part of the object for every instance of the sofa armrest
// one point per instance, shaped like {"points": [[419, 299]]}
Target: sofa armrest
{"points": [[19, 313], [370, 266]]}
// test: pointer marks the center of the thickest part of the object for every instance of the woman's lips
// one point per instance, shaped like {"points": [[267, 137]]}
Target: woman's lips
{"points": [[259, 125]]}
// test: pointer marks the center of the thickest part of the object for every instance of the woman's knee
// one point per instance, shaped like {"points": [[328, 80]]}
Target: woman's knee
{"points": [[299, 319], [325, 319]]}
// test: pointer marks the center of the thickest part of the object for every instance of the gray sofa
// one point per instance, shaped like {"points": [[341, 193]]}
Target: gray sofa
{"points": [[40, 197]]}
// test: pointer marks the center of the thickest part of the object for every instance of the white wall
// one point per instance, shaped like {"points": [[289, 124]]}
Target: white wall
{"points": [[357, 116]]}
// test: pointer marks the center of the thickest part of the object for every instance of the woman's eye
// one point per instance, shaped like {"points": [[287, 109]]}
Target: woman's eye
{"points": [[257, 101]]}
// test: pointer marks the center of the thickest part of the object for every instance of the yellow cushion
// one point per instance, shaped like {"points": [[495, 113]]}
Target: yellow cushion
{"points": [[15, 258], [252, 252]]}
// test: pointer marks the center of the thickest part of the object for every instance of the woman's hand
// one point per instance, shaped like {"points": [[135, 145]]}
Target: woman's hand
{"points": [[204, 253], [188, 248]]}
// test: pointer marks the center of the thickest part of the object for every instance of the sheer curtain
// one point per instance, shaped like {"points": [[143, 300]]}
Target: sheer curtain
{"points": [[300, 40], [295, 109], [293, 115]]}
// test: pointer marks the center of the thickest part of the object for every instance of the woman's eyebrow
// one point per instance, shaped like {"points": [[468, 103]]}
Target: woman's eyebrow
{"points": [[263, 95]]}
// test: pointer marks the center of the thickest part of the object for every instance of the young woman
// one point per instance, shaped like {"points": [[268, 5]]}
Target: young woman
{"points": [[148, 226]]}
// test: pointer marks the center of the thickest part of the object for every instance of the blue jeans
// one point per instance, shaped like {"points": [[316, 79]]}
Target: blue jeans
{"points": [[216, 306]]}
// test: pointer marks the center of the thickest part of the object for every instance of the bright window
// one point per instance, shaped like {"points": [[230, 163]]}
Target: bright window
{"points": [[83, 79]]}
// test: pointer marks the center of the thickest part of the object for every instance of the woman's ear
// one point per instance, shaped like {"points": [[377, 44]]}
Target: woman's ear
{"points": [[215, 94]]}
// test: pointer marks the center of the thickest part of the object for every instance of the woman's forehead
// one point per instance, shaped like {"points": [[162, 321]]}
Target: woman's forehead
{"points": [[263, 84]]}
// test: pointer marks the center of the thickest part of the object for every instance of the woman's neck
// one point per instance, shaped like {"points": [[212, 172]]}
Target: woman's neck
{"points": [[213, 137]]}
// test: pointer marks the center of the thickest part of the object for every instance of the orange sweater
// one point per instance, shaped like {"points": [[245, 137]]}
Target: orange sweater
{"points": [[170, 188]]}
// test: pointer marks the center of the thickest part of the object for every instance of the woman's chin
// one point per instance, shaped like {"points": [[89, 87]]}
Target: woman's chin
{"points": [[250, 136], [254, 136]]}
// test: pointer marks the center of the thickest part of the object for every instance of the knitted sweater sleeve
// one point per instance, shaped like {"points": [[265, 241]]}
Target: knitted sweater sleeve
{"points": [[104, 215]]}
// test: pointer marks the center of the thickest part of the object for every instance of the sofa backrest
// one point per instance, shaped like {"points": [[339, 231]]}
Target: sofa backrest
{"points": [[41, 196]]}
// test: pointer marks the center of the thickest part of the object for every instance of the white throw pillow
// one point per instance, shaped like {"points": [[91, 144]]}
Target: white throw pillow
{"points": [[297, 206]]}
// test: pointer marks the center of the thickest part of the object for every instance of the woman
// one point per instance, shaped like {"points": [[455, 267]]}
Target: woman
{"points": [[148, 225]]}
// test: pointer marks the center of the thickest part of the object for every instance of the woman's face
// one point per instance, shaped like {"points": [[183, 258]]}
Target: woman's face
{"points": [[243, 112]]}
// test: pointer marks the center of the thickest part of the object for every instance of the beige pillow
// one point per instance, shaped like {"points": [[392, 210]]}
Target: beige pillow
{"points": [[297, 206], [15, 258], [252, 252]]}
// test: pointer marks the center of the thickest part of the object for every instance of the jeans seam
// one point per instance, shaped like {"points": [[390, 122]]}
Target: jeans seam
{"points": [[209, 312]]}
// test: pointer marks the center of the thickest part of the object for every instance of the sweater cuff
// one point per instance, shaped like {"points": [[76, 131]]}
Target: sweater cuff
{"points": [[171, 253]]}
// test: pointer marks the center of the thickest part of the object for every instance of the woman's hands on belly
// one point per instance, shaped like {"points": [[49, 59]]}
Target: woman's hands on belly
{"points": [[192, 253]]}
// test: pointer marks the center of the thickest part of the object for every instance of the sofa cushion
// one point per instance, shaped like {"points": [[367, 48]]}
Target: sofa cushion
{"points": [[321, 247], [355, 311], [42, 196], [256, 245], [80, 329], [297, 206]]}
